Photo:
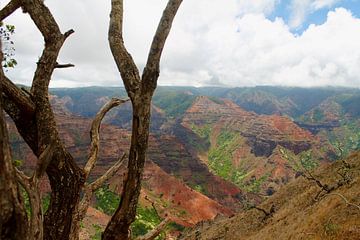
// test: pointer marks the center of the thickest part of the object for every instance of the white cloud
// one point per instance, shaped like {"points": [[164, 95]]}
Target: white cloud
{"points": [[300, 9], [211, 43], [253, 50]]}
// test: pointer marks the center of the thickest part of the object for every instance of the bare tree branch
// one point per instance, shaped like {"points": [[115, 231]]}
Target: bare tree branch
{"points": [[343, 198], [31, 186], [108, 174], [156, 231], [68, 33], [152, 68], [9, 9], [21, 100], [89, 189], [94, 133], [124, 62], [64, 65], [13, 220]]}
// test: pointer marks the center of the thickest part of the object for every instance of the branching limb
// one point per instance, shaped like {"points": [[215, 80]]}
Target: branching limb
{"points": [[95, 136], [9, 9]]}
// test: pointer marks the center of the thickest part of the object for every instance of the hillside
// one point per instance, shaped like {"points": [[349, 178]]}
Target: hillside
{"points": [[246, 148], [297, 213], [212, 151], [177, 199]]}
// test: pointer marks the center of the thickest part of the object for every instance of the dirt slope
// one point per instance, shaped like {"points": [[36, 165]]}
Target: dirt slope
{"points": [[297, 215]]}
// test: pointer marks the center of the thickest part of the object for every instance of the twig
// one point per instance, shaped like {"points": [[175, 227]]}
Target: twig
{"points": [[58, 65]]}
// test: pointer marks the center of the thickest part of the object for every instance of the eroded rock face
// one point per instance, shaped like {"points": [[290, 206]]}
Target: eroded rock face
{"points": [[179, 152], [254, 141], [188, 206]]}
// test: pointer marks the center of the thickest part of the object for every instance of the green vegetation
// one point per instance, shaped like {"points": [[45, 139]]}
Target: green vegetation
{"points": [[220, 162], [203, 131], [216, 100], [304, 160], [220, 156], [173, 103], [254, 184], [98, 231], [318, 115], [45, 202], [308, 161], [346, 138], [331, 228], [200, 189], [146, 220], [106, 200]]}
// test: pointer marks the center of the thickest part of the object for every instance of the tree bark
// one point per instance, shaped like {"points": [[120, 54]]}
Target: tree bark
{"points": [[140, 91], [35, 121], [118, 227], [13, 221]]}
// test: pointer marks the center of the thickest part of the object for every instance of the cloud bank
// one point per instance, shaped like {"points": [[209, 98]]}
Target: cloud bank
{"points": [[212, 43]]}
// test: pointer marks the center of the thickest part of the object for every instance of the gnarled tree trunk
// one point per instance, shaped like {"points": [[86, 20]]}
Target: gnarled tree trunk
{"points": [[140, 91], [13, 221]]}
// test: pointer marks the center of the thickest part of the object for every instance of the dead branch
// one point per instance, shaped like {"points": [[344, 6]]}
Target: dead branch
{"points": [[344, 199], [31, 186], [9, 9], [13, 220], [89, 189], [308, 175], [267, 213], [156, 231], [94, 133], [108, 174], [153, 205], [58, 65], [18, 97]]}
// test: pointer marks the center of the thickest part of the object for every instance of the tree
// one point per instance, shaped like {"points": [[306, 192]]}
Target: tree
{"points": [[12, 218], [32, 113], [140, 90]]}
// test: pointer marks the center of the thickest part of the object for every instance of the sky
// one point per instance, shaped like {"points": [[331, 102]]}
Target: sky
{"points": [[225, 43]]}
